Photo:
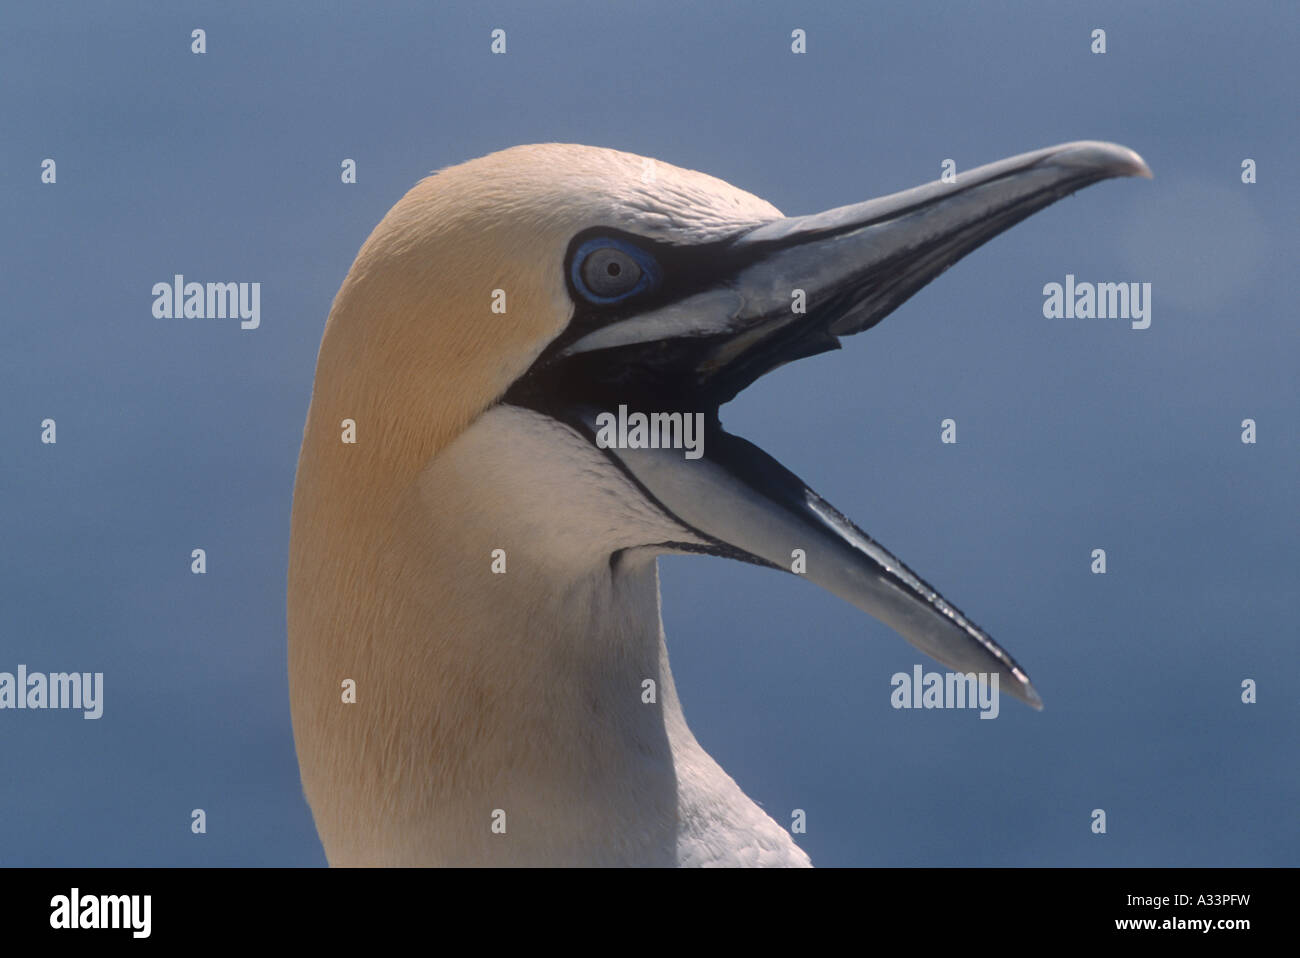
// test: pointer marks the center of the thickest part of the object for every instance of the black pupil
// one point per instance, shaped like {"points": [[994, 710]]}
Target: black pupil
{"points": [[610, 273]]}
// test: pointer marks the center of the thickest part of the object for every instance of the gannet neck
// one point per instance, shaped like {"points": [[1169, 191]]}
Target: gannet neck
{"points": [[515, 698]]}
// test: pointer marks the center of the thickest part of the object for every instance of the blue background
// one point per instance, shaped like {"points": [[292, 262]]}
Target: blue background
{"points": [[1072, 434]]}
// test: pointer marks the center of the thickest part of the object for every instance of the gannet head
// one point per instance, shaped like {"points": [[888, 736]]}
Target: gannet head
{"points": [[419, 303], [506, 308]]}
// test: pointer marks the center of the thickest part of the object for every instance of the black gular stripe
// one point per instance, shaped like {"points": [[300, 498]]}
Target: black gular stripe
{"points": [[709, 545]]}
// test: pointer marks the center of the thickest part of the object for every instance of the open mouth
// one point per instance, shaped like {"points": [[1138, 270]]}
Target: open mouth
{"points": [[682, 329]]}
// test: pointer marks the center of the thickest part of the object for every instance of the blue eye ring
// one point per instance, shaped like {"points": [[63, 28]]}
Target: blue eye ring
{"points": [[649, 278]]}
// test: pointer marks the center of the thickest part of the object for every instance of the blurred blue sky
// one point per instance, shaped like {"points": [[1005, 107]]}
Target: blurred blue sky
{"points": [[1073, 434]]}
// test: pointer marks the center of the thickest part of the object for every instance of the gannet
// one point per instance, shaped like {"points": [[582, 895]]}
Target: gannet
{"points": [[482, 574]]}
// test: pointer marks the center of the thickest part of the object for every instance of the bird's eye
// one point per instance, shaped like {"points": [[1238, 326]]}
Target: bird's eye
{"points": [[607, 270]]}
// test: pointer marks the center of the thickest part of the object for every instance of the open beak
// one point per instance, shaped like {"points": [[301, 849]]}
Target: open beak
{"points": [[848, 268]]}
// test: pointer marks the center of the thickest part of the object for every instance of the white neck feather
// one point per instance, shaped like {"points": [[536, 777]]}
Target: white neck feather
{"points": [[513, 699]]}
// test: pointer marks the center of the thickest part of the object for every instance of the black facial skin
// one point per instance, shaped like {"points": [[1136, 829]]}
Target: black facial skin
{"points": [[662, 375]]}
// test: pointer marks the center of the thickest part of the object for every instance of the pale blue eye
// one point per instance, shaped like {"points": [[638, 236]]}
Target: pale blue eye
{"points": [[607, 270]]}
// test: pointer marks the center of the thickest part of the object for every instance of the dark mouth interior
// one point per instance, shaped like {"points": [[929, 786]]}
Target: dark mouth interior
{"points": [[648, 377]]}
